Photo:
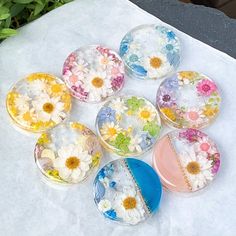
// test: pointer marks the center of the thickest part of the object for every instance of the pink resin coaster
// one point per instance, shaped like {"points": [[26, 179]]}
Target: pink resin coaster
{"points": [[93, 73], [186, 160]]}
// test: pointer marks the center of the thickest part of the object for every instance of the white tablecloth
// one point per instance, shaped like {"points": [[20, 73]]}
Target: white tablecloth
{"points": [[28, 206]]}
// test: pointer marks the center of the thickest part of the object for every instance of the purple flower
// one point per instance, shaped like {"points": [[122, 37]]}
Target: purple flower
{"points": [[166, 98], [117, 82], [191, 135]]}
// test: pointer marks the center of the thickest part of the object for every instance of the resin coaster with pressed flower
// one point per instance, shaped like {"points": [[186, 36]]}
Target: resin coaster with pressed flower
{"points": [[38, 102], [93, 73], [188, 100], [186, 160], [68, 153], [150, 52], [128, 125], [127, 191]]}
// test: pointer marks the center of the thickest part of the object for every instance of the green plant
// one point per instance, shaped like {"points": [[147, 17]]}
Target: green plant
{"points": [[15, 13]]}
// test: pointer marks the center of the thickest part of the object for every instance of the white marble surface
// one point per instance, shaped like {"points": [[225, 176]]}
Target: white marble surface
{"points": [[30, 207]]}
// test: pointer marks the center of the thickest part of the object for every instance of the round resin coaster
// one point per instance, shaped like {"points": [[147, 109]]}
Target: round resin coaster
{"points": [[188, 100], [93, 73], [38, 102], [150, 52], [68, 153], [128, 125], [186, 160], [127, 191]]}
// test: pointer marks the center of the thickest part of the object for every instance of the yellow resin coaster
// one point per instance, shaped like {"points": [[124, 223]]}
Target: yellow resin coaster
{"points": [[38, 102], [68, 153]]}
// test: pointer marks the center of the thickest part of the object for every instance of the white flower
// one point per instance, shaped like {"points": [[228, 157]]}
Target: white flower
{"points": [[105, 181], [27, 117], [197, 168], [110, 131], [204, 144], [104, 205], [105, 60], [157, 66], [146, 113], [72, 163], [134, 144], [37, 86], [194, 116], [97, 85], [49, 108], [129, 206], [80, 67], [118, 105], [22, 103]]}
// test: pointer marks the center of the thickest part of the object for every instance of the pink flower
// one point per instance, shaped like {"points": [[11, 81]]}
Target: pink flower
{"points": [[206, 87], [216, 165], [117, 82], [191, 135]]}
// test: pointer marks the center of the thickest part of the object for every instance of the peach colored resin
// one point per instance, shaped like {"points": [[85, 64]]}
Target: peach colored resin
{"points": [[165, 162]]}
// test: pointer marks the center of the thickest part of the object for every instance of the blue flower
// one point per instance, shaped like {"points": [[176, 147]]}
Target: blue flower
{"points": [[111, 214], [124, 45], [172, 83], [170, 35], [112, 184], [106, 114], [101, 174], [99, 191], [147, 141], [109, 170], [139, 69], [173, 58]]}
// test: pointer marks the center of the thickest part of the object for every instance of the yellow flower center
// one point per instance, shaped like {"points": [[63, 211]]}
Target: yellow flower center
{"points": [[72, 163], [193, 168], [97, 82], [145, 114], [129, 203], [112, 131], [155, 62], [104, 61], [56, 88], [48, 107]]}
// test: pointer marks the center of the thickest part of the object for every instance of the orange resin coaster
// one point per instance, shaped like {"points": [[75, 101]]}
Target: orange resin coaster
{"points": [[186, 160], [38, 102]]}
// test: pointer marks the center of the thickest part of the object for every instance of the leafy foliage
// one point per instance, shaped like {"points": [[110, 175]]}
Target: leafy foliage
{"points": [[15, 13]]}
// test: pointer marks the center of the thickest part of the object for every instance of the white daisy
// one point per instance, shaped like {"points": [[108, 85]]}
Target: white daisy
{"points": [[205, 145], [134, 144], [197, 168], [118, 105], [80, 67], [49, 108], [146, 113], [97, 85], [72, 163], [194, 116], [110, 131], [37, 86], [104, 205], [157, 65], [22, 103], [105, 61], [129, 206]]}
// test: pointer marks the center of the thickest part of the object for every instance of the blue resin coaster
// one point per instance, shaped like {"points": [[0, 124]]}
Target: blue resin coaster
{"points": [[150, 52], [127, 191]]}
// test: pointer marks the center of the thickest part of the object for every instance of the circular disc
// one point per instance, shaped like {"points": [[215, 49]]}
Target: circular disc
{"points": [[186, 160], [127, 191], [188, 100], [150, 52], [93, 73], [68, 153], [38, 102], [128, 125]]}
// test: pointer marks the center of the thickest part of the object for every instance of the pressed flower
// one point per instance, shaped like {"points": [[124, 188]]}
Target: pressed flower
{"points": [[135, 144], [152, 128], [118, 104], [194, 116], [147, 113], [206, 87], [166, 98], [104, 205], [210, 111], [109, 131], [122, 142], [134, 103], [169, 113], [106, 114], [190, 75]]}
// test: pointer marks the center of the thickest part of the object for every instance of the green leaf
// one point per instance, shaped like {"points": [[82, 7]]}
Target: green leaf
{"points": [[152, 128], [16, 9], [3, 10], [6, 32], [7, 22], [38, 8], [23, 1], [4, 16]]}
